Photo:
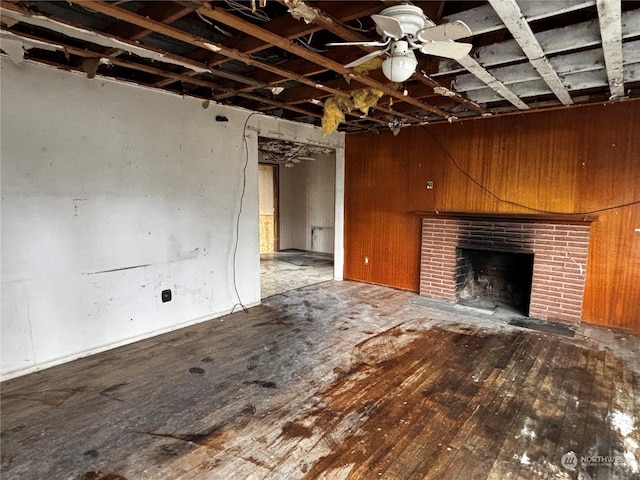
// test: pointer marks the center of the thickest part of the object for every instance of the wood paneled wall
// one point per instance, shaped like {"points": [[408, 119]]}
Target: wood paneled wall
{"points": [[568, 160]]}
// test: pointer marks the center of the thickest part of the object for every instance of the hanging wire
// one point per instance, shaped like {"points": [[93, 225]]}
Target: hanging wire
{"points": [[237, 229], [359, 28], [206, 20], [307, 44], [248, 11], [522, 205]]}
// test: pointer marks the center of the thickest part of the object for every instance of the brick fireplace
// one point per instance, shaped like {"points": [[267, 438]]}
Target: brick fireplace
{"points": [[558, 246]]}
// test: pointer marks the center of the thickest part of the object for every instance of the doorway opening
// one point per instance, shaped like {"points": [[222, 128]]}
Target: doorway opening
{"points": [[297, 215]]}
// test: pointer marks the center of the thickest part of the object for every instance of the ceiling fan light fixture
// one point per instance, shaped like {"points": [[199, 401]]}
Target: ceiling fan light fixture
{"points": [[399, 67]]}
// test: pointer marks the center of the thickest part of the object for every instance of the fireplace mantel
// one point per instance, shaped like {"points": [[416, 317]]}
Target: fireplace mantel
{"points": [[562, 219]]}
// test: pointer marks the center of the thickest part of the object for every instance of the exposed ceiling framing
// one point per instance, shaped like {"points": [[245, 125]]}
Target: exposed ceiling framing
{"points": [[513, 18], [526, 55]]}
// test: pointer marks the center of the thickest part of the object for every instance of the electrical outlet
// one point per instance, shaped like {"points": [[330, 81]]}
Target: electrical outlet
{"points": [[166, 296]]}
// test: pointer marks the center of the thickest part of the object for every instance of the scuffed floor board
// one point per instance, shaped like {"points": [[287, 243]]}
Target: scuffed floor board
{"points": [[334, 380]]}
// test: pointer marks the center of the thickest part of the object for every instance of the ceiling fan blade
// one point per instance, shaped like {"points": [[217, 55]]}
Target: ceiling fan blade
{"points": [[389, 26], [446, 31], [366, 58], [362, 44], [454, 50]]}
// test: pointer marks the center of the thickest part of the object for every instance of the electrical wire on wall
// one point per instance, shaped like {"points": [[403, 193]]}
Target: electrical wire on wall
{"points": [[237, 239], [511, 202]]}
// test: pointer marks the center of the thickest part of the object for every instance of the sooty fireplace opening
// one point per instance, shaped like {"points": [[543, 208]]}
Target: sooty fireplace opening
{"points": [[490, 279]]}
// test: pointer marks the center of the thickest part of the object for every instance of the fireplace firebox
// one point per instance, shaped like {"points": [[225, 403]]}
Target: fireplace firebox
{"points": [[490, 278]]}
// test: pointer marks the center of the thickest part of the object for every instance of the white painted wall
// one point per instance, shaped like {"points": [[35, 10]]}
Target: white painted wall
{"points": [[307, 205], [110, 194]]}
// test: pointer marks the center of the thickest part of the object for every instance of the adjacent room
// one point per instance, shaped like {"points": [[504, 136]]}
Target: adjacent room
{"points": [[290, 239], [297, 210]]}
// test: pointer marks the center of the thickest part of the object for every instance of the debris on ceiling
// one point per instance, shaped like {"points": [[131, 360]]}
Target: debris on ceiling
{"points": [[273, 56], [288, 153]]}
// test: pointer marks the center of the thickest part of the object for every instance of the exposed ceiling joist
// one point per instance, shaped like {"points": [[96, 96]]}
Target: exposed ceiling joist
{"points": [[127, 16], [283, 26], [609, 14], [172, 32], [335, 26], [269, 63], [167, 13], [492, 82], [285, 44], [485, 19], [511, 15], [97, 38], [29, 41], [554, 41], [570, 67]]}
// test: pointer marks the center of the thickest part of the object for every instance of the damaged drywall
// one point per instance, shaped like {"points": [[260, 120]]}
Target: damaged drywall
{"points": [[15, 45]]}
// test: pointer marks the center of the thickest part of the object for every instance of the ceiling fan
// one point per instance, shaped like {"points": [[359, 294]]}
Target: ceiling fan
{"points": [[405, 28]]}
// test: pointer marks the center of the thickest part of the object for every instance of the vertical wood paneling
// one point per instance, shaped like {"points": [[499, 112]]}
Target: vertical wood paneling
{"points": [[569, 160]]}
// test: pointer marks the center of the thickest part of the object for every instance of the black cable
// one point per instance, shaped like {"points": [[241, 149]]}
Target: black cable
{"points": [[244, 188], [511, 202]]}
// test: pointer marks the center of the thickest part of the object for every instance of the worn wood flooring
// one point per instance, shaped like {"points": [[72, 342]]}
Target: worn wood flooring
{"points": [[284, 271], [336, 380]]}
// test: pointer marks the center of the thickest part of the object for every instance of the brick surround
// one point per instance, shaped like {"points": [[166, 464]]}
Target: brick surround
{"points": [[559, 249]]}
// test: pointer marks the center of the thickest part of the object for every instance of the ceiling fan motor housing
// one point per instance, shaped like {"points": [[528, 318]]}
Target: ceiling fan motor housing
{"points": [[410, 17]]}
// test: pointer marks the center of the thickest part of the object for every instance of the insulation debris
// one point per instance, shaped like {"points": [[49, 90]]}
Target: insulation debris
{"points": [[368, 66], [334, 110], [212, 47], [445, 92], [336, 107], [301, 11], [366, 98]]}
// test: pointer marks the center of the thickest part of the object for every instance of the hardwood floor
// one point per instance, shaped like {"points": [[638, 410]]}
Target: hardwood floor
{"points": [[284, 271], [336, 380]]}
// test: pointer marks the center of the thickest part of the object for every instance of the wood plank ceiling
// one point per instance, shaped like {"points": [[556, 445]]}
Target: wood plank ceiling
{"points": [[271, 55]]}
